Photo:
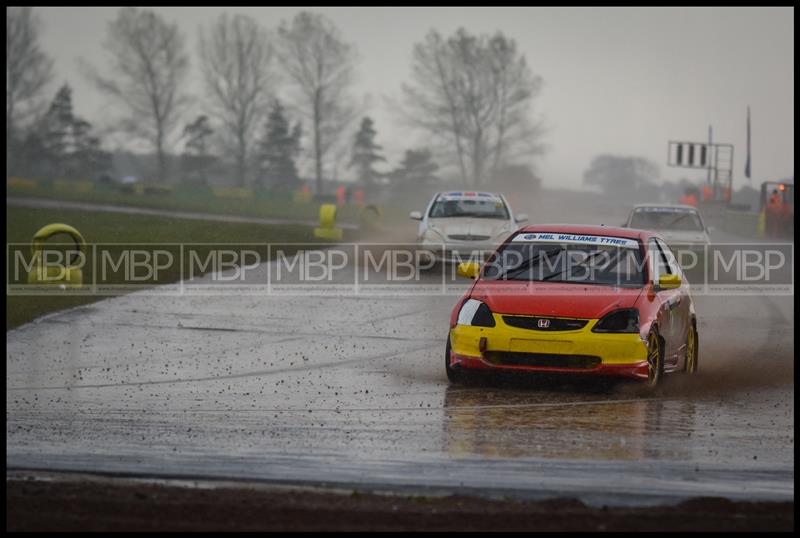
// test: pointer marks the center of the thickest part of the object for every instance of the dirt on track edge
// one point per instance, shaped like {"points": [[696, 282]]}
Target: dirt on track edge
{"points": [[95, 504]]}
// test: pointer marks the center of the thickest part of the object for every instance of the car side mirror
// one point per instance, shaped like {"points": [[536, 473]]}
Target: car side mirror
{"points": [[669, 282], [709, 229], [415, 215], [521, 217], [469, 269]]}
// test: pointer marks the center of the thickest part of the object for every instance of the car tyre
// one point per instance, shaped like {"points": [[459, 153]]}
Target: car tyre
{"points": [[692, 349], [454, 375], [655, 360]]}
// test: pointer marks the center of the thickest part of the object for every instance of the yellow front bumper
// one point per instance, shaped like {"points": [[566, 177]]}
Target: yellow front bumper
{"points": [[612, 349]]}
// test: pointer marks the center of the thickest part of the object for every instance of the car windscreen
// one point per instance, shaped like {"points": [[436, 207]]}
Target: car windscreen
{"points": [[476, 208], [572, 261], [666, 219]]}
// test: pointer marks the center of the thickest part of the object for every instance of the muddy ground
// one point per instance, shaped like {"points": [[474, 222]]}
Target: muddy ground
{"points": [[67, 504]]}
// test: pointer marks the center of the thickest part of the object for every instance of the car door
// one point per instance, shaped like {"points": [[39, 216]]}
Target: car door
{"points": [[681, 309], [672, 302], [666, 301]]}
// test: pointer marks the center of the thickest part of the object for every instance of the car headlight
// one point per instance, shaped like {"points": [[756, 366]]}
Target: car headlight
{"points": [[475, 313], [625, 320], [432, 236], [504, 231]]}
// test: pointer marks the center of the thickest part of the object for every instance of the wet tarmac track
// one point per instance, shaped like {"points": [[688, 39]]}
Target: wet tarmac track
{"points": [[350, 390]]}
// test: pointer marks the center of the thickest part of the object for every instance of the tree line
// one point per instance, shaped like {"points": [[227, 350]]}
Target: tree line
{"points": [[270, 98]]}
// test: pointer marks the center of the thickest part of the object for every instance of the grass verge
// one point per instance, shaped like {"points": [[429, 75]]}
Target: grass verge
{"points": [[22, 224], [192, 199]]}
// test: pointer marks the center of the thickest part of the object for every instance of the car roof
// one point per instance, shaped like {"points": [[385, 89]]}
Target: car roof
{"points": [[667, 206], [468, 194], [582, 229]]}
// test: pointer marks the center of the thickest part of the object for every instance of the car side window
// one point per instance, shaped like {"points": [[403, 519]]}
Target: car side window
{"points": [[672, 264], [658, 262], [508, 208]]}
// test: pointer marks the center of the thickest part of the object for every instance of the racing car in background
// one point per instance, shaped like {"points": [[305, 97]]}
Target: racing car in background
{"points": [[459, 226], [575, 300], [679, 225]]}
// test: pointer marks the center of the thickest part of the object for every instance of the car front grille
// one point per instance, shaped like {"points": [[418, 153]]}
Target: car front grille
{"points": [[467, 237], [511, 358], [545, 324]]}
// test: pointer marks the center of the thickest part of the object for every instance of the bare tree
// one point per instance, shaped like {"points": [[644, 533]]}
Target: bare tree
{"points": [[321, 65], [197, 156], [236, 56], [515, 87], [147, 69], [28, 68], [475, 93]]}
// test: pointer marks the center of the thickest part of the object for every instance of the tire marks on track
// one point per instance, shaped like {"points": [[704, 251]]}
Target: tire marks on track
{"points": [[256, 373]]}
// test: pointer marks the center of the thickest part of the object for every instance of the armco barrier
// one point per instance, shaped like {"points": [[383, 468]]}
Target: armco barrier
{"points": [[301, 197], [232, 192]]}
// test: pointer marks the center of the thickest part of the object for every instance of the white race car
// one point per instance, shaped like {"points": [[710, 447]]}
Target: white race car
{"points": [[678, 225], [463, 226]]}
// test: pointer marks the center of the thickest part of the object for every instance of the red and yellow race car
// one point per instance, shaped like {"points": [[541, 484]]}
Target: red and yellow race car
{"points": [[579, 300]]}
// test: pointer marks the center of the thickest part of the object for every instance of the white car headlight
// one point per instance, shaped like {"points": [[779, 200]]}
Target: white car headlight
{"points": [[476, 313], [504, 231], [432, 236]]}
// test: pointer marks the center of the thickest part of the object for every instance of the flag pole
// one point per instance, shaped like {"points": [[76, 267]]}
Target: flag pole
{"points": [[747, 171], [710, 149]]}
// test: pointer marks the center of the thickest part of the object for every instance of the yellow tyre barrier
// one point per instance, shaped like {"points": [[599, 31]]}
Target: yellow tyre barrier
{"points": [[21, 183], [327, 223], [65, 275], [62, 185], [761, 226]]}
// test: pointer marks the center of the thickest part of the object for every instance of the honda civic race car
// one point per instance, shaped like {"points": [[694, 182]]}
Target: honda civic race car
{"points": [[459, 226], [575, 300]]}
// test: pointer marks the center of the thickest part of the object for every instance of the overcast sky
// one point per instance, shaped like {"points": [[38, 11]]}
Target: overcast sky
{"points": [[616, 80]]}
